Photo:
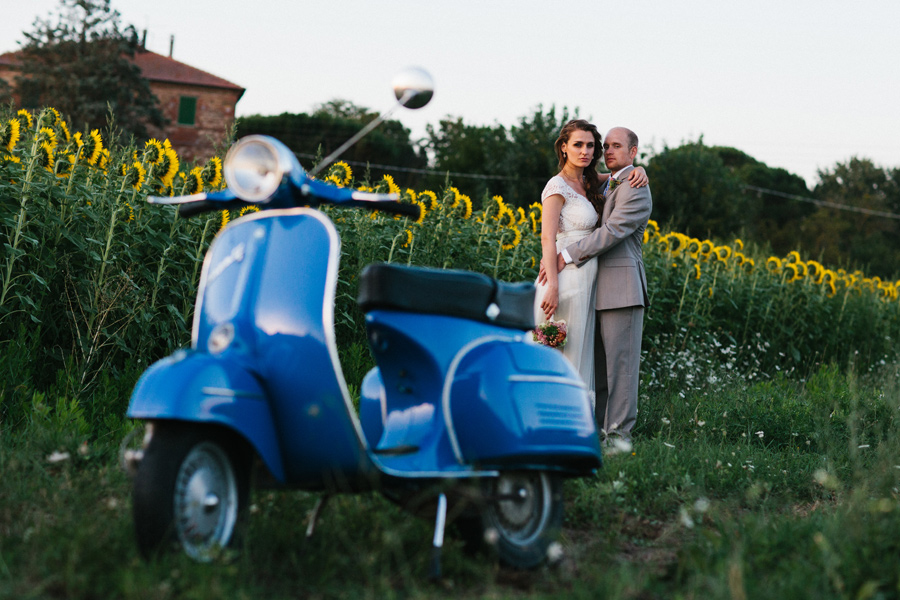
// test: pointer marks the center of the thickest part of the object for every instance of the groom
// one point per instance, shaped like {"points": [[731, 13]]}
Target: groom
{"points": [[621, 285]]}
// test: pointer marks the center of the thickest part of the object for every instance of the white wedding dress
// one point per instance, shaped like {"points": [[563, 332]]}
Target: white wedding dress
{"points": [[577, 285]]}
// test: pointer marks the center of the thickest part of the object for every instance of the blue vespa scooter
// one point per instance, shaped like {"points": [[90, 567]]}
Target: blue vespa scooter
{"points": [[462, 408]]}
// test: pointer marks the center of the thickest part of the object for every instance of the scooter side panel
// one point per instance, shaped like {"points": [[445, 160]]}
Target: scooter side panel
{"points": [[194, 386], [515, 403]]}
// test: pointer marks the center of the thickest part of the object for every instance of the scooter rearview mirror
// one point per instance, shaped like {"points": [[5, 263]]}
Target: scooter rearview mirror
{"points": [[413, 87]]}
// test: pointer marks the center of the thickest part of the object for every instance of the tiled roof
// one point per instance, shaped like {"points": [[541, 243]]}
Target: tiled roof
{"points": [[156, 67]]}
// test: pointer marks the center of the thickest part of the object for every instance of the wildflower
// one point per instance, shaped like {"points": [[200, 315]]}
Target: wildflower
{"points": [[212, 172], [409, 239], [24, 118], [153, 152], [9, 134]]}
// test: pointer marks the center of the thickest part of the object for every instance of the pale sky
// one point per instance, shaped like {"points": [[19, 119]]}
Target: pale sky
{"points": [[797, 84]]}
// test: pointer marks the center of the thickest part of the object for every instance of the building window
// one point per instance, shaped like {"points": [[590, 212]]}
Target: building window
{"points": [[187, 110]]}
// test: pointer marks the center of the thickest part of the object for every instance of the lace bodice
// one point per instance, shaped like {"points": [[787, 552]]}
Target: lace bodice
{"points": [[577, 213]]}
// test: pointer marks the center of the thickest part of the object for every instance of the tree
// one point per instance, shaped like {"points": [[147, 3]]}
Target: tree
{"points": [[333, 123], [695, 193], [81, 65], [857, 239]]}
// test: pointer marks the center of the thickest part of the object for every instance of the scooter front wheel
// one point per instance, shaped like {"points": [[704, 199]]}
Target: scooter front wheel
{"points": [[522, 516], [191, 489]]}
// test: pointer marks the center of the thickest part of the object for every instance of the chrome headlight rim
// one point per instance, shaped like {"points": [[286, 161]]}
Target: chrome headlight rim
{"points": [[255, 167]]}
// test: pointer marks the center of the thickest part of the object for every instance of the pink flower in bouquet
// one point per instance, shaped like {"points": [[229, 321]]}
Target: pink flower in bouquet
{"points": [[550, 333]]}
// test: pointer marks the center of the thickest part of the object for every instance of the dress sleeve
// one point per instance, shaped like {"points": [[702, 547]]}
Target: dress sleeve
{"points": [[554, 186]]}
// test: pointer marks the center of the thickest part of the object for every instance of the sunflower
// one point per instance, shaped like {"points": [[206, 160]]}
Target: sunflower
{"points": [[169, 165], [411, 194], [832, 289], [696, 270], [432, 199], [501, 207], [773, 264], [193, 182], [225, 219], [332, 180], [722, 253], [517, 237], [130, 212], [521, 214], [212, 172], [423, 210], [103, 161], [676, 242], [409, 238], [793, 257], [748, 264], [466, 204], [815, 270], [393, 188], [153, 152], [51, 112], [739, 244], [90, 149], [45, 156], [47, 136], [342, 172], [10, 134], [65, 129], [693, 248], [248, 209], [653, 228], [64, 166], [506, 217], [24, 119], [706, 249], [135, 173], [795, 272]]}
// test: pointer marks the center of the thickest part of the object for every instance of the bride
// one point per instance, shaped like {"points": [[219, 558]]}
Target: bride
{"points": [[572, 201]]}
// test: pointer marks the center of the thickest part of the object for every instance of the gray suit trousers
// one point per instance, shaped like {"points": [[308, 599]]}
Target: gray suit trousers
{"points": [[617, 354]]}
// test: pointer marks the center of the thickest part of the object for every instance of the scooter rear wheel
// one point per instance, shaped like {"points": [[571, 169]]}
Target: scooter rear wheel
{"points": [[191, 490], [522, 516]]}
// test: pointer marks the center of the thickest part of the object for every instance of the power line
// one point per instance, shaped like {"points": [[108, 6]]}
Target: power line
{"points": [[847, 207], [424, 171]]}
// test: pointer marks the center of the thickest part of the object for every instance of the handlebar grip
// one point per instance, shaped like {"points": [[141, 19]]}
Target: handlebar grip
{"points": [[389, 206], [197, 208]]}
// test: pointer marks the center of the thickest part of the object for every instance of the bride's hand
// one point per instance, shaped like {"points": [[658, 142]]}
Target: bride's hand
{"points": [[550, 302], [638, 177]]}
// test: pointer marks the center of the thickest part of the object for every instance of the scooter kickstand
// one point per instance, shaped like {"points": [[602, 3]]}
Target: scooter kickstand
{"points": [[438, 541], [314, 517]]}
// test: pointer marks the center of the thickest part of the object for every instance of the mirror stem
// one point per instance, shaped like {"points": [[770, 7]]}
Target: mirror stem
{"points": [[407, 96]]}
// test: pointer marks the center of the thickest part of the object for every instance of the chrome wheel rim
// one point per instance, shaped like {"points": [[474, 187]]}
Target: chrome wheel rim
{"points": [[522, 513], [206, 501]]}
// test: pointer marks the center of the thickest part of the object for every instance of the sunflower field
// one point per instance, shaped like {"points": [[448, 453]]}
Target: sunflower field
{"points": [[95, 283]]}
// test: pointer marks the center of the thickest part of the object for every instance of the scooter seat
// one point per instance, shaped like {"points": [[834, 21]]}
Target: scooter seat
{"points": [[448, 292]]}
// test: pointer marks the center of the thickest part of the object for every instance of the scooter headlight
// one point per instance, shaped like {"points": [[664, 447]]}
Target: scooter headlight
{"points": [[220, 338], [255, 167]]}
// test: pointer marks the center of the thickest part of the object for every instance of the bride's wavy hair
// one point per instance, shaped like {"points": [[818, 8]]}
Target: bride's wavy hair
{"points": [[591, 177]]}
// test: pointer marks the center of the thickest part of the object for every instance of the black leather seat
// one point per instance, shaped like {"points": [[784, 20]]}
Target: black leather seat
{"points": [[447, 292]]}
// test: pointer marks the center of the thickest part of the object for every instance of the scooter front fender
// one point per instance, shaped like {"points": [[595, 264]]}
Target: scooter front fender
{"points": [[197, 387]]}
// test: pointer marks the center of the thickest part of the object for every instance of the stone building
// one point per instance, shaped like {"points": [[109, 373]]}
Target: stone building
{"points": [[199, 106]]}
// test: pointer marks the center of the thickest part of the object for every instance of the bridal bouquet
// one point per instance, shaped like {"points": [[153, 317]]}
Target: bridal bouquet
{"points": [[550, 333]]}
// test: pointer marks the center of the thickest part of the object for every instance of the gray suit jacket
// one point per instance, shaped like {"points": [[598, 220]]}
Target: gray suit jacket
{"points": [[621, 281]]}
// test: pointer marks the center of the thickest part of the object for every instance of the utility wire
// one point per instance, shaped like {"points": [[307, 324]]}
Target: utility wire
{"points": [[424, 171], [858, 209], [835, 205]]}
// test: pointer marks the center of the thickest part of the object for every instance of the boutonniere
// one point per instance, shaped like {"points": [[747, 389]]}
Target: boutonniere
{"points": [[613, 183]]}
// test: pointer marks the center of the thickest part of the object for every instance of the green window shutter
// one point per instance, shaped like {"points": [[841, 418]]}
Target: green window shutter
{"points": [[187, 110]]}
